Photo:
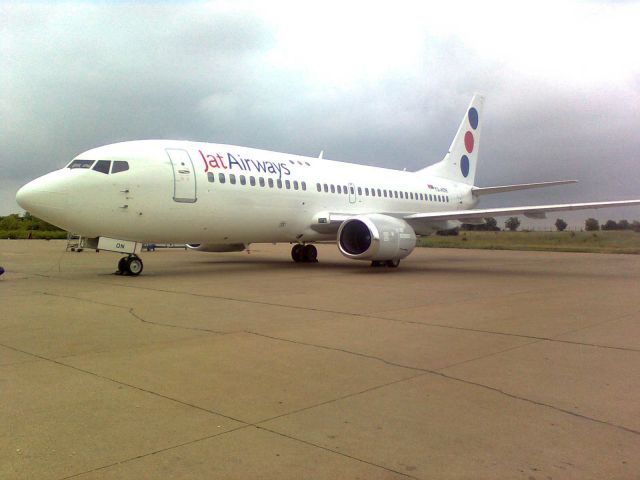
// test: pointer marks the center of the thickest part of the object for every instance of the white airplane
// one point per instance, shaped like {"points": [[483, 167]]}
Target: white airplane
{"points": [[221, 198]]}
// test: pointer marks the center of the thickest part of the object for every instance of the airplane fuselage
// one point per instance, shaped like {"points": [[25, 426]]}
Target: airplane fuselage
{"points": [[176, 191]]}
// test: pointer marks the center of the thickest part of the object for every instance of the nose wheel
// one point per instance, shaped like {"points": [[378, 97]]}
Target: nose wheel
{"points": [[304, 253], [131, 265]]}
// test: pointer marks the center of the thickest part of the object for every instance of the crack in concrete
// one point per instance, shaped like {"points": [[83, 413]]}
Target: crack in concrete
{"points": [[468, 382], [375, 317], [438, 372], [306, 442], [243, 425], [161, 450], [132, 312]]}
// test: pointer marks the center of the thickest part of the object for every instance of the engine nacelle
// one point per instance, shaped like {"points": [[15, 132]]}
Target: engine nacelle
{"points": [[376, 237], [217, 247]]}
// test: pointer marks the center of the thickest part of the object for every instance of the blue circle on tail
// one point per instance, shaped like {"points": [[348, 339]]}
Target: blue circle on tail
{"points": [[464, 166], [473, 118]]}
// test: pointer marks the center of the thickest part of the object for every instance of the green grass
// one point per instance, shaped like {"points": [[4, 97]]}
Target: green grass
{"points": [[590, 242], [36, 234]]}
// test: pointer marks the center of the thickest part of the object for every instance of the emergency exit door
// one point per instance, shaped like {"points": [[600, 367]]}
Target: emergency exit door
{"points": [[184, 178]]}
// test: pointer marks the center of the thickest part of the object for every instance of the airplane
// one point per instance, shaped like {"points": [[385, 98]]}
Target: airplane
{"points": [[221, 198]]}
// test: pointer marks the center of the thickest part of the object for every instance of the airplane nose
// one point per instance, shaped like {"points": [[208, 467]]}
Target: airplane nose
{"points": [[43, 197], [24, 197]]}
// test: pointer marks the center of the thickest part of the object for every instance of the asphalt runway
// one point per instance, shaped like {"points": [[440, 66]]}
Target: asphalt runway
{"points": [[459, 364]]}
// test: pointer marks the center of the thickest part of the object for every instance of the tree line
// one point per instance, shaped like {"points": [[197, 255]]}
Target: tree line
{"points": [[513, 223], [28, 226]]}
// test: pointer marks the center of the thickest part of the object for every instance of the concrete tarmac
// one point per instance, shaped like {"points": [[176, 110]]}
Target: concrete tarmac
{"points": [[459, 364]]}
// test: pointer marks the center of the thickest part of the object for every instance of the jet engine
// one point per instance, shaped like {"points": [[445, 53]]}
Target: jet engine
{"points": [[376, 237], [217, 247]]}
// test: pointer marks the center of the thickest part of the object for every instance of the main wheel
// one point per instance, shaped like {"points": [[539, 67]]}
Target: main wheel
{"points": [[134, 266], [296, 252], [310, 253], [122, 266], [377, 263], [393, 263]]}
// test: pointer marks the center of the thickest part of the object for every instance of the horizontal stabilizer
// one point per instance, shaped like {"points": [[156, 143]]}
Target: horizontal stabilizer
{"points": [[477, 191], [534, 211]]}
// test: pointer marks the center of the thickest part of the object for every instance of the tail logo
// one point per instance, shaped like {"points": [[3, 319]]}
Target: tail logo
{"points": [[469, 142]]}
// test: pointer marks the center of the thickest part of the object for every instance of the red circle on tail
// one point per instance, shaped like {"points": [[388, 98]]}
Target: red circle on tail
{"points": [[468, 141]]}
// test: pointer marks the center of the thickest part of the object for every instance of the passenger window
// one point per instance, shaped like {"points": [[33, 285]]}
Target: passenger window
{"points": [[221, 177], [396, 194], [243, 180], [252, 181], [351, 190], [119, 166], [339, 189], [333, 188], [211, 177], [366, 191], [344, 189], [232, 178], [102, 166], [319, 187], [270, 181], [359, 191], [326, 188], [295, 185], [261, 181], [287, 184], [81, 164], [379, 193], [279, 183], [384, 192], [304, 186]]}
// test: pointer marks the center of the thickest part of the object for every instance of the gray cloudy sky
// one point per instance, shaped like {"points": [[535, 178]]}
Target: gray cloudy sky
{"points": [[377, 83]]}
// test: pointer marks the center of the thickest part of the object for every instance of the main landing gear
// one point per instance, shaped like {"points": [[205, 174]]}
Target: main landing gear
{"points": [[130, 265], [385, 263], [304, 253]]}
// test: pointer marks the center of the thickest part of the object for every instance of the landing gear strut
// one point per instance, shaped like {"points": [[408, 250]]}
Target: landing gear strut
{"points": [[304, 253], [130, 265]]}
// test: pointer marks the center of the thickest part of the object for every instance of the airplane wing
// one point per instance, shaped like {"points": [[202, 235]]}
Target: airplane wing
{"points": [[477, 191], [535, 211]]}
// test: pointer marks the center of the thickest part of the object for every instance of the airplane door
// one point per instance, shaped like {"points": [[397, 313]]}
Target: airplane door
{"points": [[352, 193], [184, 178]]}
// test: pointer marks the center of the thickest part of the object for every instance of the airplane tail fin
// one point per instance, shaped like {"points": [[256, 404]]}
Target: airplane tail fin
{"points": [[460, 162]]}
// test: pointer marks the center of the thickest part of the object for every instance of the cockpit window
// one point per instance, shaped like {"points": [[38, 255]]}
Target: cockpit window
{"points": [[102, 166], [80, 164], [119, 166]]}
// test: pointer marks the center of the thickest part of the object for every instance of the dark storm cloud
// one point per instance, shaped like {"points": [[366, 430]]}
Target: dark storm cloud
{"points": [[101, 75], [79, 75]]}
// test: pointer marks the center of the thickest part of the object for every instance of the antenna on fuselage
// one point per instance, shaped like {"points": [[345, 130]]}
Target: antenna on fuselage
{"points": [[321, 155]]}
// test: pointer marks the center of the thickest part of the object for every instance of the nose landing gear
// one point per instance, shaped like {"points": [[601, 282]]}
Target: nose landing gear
{"points": [[130, 265]]}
